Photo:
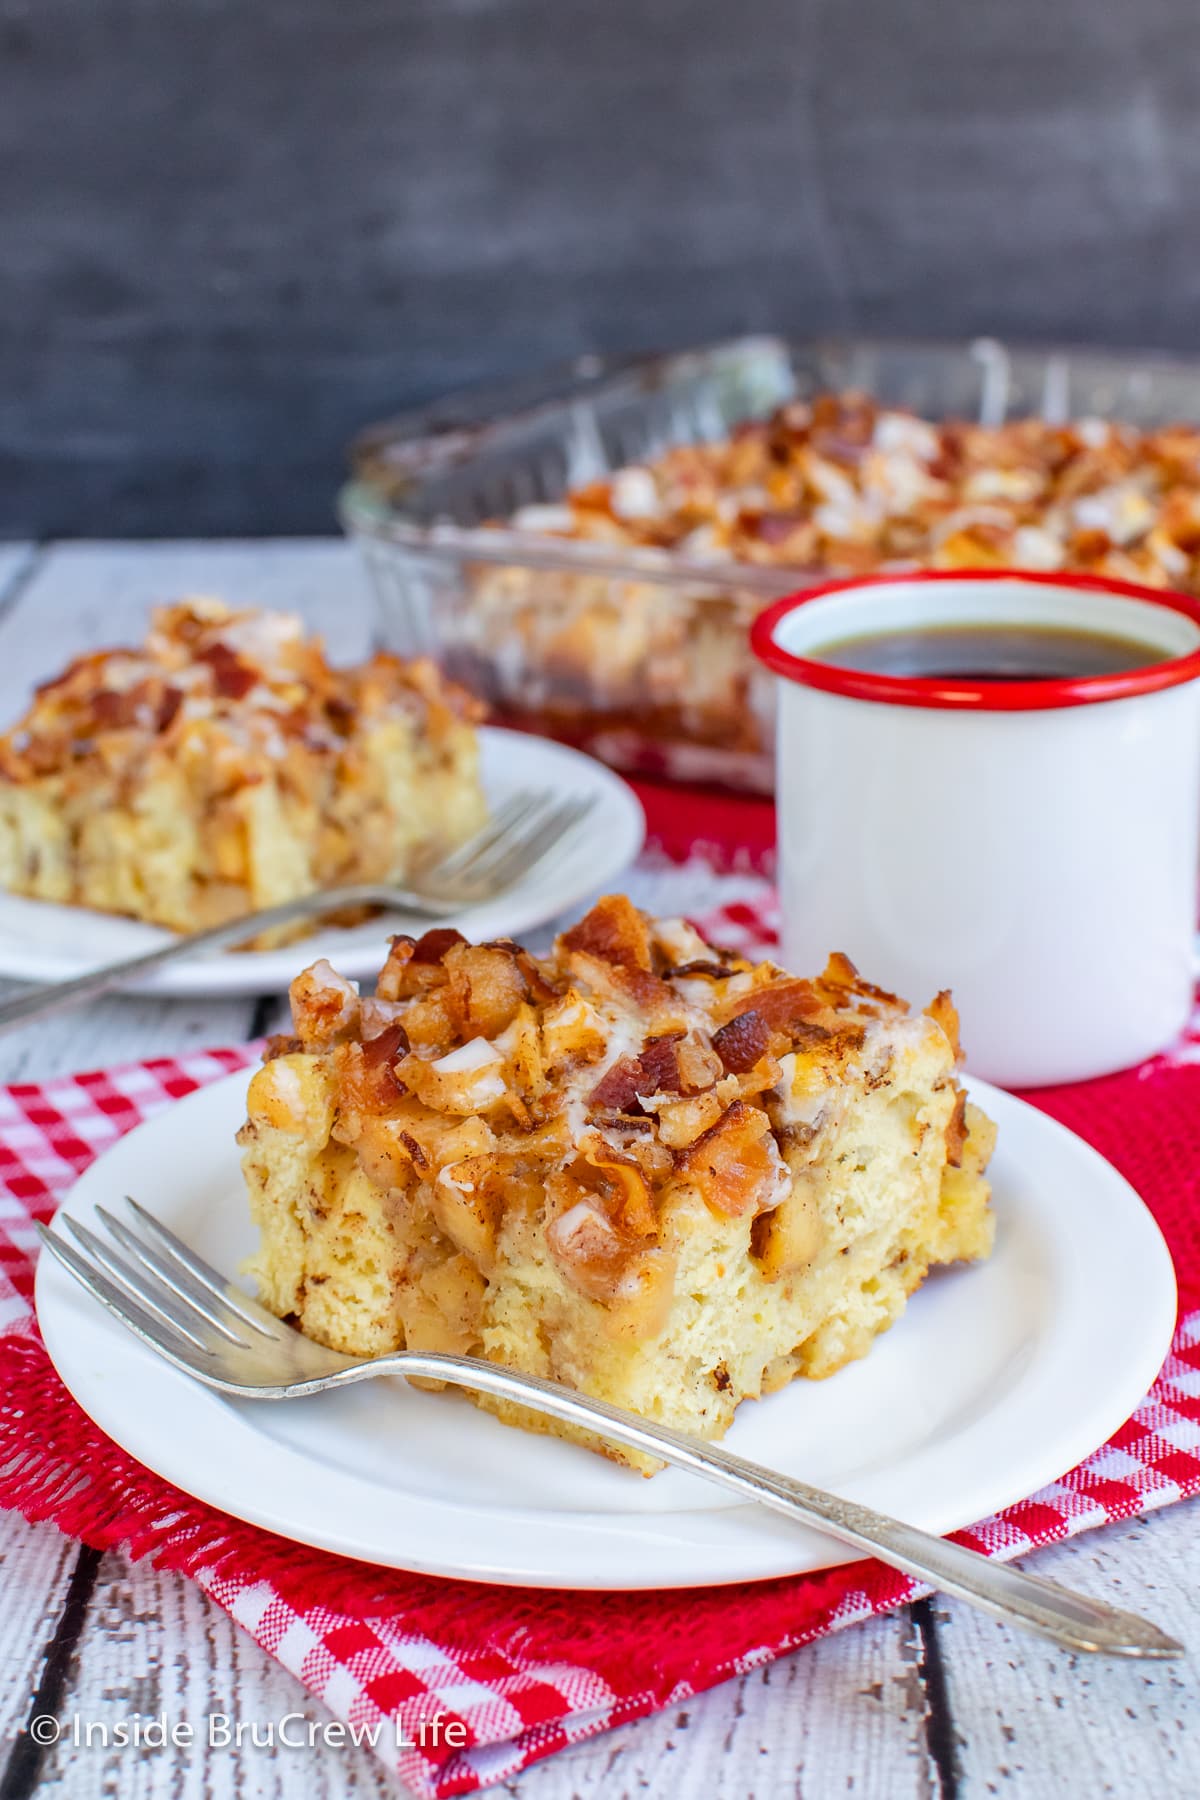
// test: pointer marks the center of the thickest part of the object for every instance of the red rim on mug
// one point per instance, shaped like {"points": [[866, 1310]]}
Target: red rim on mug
{"points": [[978, 696]]}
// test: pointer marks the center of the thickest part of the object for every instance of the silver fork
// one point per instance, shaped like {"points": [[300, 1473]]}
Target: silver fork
{"points": [[522, 832], [209, 1328]]}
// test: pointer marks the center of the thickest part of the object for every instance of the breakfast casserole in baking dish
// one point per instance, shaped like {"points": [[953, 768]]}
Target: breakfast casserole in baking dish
{"points": [[590, 556], [827, 486], [661, 1174], [839, 483], [225, 766]]}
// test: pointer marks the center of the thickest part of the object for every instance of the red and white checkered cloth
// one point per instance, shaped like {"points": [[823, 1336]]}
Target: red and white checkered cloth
{"points": [[529, 1672]]}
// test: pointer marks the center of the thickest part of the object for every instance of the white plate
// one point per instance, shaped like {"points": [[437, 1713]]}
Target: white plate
{"points": [[997, 1379], [40, 941]]}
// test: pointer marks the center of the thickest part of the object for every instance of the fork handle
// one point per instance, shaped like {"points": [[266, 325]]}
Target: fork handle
{"points": [[1074, 1620], [57, 996]]}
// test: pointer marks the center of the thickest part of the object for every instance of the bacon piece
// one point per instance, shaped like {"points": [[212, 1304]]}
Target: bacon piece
{"points": [[369, 1084], [660, 1065], [341, 713], [432, 947], [232, 678], [714, 970], [114, 708], [656, 1000], [386, 1047], [772, 527], [654, 1071], [168, 707], [619, 1087], [742, 1042]]}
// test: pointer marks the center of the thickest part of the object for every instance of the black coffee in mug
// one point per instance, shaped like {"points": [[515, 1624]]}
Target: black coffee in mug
{"points": [[989, 652]]}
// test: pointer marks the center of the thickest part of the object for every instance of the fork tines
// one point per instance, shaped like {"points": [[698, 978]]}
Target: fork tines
{"points": [[521, 832], [165, 1292]]}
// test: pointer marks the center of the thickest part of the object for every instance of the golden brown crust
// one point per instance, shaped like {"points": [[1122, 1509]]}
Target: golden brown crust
{"points": [[840, 483], [250, 676], [614, 1074]]}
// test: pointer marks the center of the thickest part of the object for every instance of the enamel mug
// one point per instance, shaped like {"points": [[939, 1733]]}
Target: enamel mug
{"points": [[1031, 845]]}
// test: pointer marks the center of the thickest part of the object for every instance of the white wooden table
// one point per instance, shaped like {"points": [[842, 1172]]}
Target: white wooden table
{"points": [[934, 1700]]}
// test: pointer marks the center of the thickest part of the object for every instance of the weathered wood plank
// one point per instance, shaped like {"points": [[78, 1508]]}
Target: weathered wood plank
{"points": [[35, 1570], [1034, 1721], [35, 1561], [155, 1646], [845, 1715], [120, 1030], [15, 562]]}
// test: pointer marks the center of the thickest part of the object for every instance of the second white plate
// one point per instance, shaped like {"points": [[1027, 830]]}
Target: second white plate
{"points": [[997, 1380], [43, 942]]}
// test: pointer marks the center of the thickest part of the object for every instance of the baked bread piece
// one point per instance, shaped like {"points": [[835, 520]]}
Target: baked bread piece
{"points": [[225, 766], [655, 673], [649, 1169]]}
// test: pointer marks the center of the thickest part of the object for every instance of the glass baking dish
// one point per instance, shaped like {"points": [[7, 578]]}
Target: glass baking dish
{"points": [[641, 655]]}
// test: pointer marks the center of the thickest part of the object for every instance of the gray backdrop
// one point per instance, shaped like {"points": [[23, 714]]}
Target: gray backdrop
{"points": [[233, 230]]}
